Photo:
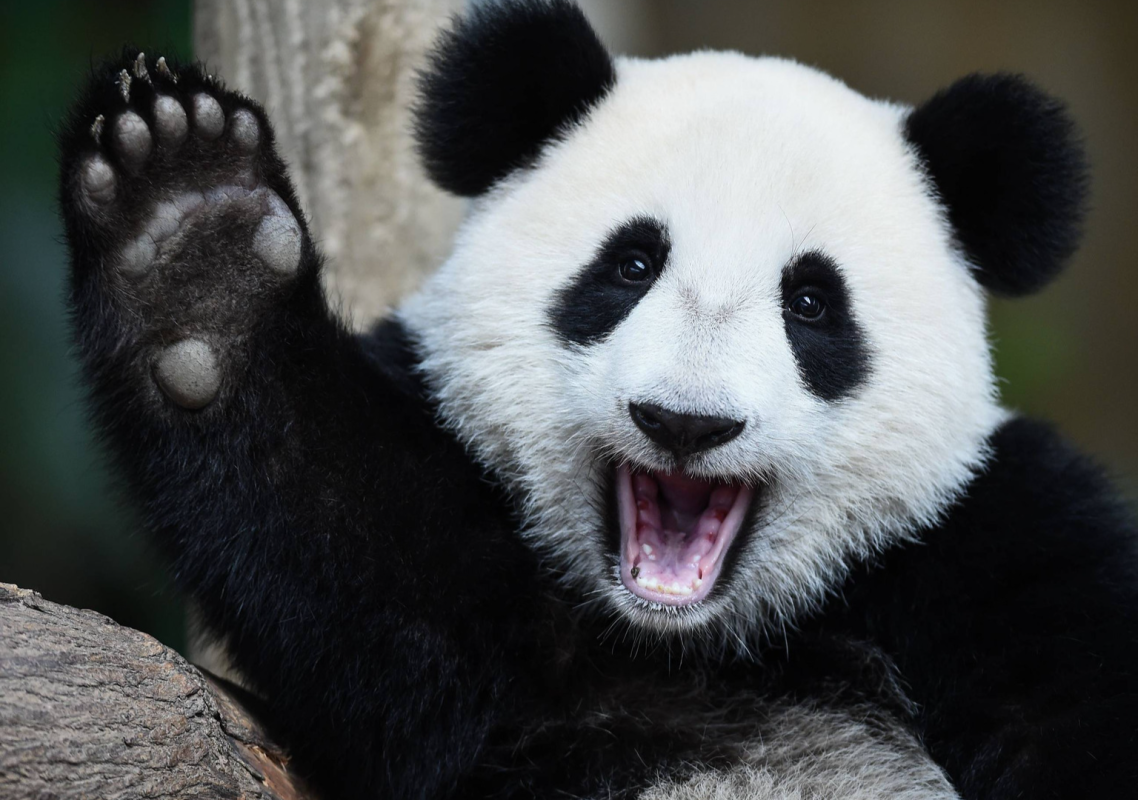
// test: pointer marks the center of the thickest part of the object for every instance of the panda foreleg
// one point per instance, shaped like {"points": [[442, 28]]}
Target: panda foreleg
{"points": [[344, 547]]}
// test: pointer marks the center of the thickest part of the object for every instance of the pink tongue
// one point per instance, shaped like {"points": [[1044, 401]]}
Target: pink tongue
{"points": [[677, 525]]}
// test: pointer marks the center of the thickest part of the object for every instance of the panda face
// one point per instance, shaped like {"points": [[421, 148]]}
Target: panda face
{"points": [[718, 341]]}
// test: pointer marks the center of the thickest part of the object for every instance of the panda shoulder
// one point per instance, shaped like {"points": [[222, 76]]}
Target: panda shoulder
{"points": [[1040, 534]]}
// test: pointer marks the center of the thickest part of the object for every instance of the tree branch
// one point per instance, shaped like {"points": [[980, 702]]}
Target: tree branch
{"points": [[90, 709]]}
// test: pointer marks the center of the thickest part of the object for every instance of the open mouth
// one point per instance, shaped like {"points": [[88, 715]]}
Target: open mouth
{"points": [[675, 532]]}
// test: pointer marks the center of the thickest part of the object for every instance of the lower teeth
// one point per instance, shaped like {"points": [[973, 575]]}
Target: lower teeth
{"points": [[673, 588]]}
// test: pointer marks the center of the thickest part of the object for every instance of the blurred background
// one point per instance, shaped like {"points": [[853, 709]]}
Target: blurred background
{"points": [[1069, 354]]}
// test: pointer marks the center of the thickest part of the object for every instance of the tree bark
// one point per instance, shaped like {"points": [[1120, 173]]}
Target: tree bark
{"points": [[338, 80], [90, 709]]}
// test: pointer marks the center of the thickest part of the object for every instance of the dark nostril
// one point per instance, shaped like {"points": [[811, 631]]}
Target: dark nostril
{"points": [[683, 434], [644, 418], [723, 431]]}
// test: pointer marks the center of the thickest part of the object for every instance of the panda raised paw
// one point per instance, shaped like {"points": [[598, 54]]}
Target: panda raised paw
{"points": [[182, 218]]}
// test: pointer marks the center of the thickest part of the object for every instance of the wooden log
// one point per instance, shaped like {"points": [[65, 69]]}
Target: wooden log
{"points": [[91, 709]]}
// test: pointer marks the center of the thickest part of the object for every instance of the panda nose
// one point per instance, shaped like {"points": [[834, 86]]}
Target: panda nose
{"points": [[683, 434]]}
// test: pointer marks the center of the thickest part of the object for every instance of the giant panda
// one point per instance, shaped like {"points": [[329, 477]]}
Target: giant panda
{"points": [[686, 474]]}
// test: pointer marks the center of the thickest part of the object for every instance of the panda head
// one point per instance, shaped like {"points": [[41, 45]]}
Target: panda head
{"points": [[717, 321]]}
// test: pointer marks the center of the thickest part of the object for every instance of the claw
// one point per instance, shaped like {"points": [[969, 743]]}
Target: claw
{"points": [[124, 85], [140, 68], [164, 70], [97, 129]]}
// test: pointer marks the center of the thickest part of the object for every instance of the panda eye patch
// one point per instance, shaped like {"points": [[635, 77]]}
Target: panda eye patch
{"points": [[623, 269], [808, 305], [829, 346]]}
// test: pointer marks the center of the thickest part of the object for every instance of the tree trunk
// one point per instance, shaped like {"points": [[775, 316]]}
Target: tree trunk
{"points": [[338, 79], [90, 709]]}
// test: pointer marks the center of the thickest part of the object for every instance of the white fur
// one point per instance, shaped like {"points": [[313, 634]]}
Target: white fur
{"points": [[815, 754], [748, 162]]}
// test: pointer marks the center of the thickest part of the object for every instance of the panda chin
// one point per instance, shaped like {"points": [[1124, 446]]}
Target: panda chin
{"points": [[675, 532]]}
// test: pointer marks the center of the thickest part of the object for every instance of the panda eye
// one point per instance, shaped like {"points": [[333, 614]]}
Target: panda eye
{"points": [[808, 306], [635, 269]]}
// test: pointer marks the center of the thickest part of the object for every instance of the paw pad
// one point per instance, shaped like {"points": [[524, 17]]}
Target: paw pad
{"points": [[132, 138], [209, 119], [170, 120], [138, 255], [245, 130], [188, 373], [98, 181], [277, 240]]}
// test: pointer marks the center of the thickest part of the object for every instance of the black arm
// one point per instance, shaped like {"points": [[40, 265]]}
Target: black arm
{"points": [[293, 472]]}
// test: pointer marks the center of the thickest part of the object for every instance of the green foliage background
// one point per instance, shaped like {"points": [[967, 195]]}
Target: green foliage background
{"points": [[63, 530]]}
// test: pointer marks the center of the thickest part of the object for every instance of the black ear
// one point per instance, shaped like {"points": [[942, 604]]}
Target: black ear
{"points": [[1009, 166], [507, 78]]}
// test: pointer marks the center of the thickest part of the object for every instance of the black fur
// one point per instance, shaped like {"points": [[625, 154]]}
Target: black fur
{"points": [[590, 308], [1008, 165], [831, 351], [1015, 626], [370, 580], [623, 722], [507, 78], [367, 590]]}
